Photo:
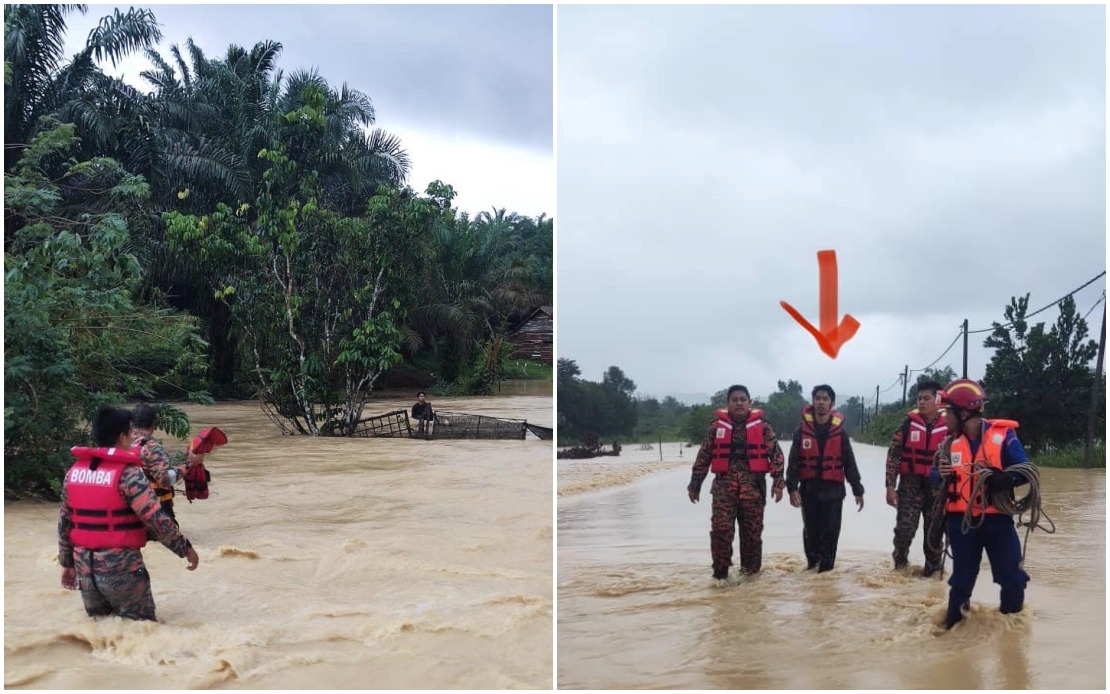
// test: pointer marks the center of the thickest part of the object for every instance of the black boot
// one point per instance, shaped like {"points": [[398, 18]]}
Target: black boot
{"points": [[930, 569], [720, 574]]}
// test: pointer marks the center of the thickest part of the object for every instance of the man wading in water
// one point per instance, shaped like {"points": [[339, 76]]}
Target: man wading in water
{"points": [[821, 459], [740, 448], [978, 447], [107, 509]]}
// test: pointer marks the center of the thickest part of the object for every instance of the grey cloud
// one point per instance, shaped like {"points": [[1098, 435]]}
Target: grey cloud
{"points": [[707, 153], [483, 72]]}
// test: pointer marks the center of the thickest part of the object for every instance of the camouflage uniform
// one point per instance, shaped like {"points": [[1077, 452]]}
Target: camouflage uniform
{"points": [[161, 473], [916, 499], [739, 496], [115, 581]]}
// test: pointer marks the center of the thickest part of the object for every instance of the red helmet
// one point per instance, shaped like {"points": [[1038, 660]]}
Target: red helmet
{"points": [[965, 394]]}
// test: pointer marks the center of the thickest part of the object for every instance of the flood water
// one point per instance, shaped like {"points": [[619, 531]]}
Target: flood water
{"points": [[638, 608], [326, 563]]}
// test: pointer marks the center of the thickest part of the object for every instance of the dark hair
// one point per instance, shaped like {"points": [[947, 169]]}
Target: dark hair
{"points": [[421, 393], [929, 384], [143, 416], [733, 389], [824, 387], [108, 424]]}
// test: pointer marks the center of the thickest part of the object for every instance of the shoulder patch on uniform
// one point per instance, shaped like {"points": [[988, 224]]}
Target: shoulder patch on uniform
{"points": [[957, 458], [997, 438], [722, 432], [807, 444], [915, 435]]}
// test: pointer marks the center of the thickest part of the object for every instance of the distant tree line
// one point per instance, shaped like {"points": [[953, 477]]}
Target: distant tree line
{"points": [[1039, 375]]}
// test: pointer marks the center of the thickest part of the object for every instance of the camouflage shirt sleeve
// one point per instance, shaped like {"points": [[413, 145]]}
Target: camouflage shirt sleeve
{"points": [[156, 465], [705, 456], [943, 455], [894, 456], [775, 459], [139, 495], [65, 522]]}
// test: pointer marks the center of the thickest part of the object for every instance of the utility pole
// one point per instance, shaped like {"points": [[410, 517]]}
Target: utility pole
{"points": [[905, 384], [1095, 388], [965, 348], [876, 401]]}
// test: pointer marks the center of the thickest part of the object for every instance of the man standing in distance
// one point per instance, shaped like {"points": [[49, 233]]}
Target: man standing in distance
{"points": [[821, 459], [740, 448], [909, 462]]}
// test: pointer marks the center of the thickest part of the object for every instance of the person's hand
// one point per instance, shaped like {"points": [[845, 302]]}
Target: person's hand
{"points": [[859, 502], [694, 494], [777, 493], [69, 578], [795, 499], [999, 483], [891, 497], [944, 466], [191, 556], [193, 459]]}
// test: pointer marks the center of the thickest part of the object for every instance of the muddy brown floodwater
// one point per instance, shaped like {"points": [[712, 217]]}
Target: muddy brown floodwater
{"points": [[638, 609], [326, 563]]}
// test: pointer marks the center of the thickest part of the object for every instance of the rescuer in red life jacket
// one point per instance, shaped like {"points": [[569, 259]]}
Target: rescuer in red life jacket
{"points": [[106, 510], [909, 460], [821, 459], [741, 448]]}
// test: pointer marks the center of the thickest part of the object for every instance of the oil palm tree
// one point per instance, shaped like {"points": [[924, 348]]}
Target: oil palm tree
{"points": [[39, 81]]}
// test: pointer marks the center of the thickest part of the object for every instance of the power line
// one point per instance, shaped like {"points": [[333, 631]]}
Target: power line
{"points": [[954, 341], [1045, 308], [1092, 308], [896, 382]]}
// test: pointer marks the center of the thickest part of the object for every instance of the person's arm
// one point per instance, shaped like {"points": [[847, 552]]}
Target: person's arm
{"points": [[942, 463], [65, 545], [701, 464], [139, 495], [792, 462], [775, 460], [1013, 453], [157, 466], [893, 458], [851, 470]]}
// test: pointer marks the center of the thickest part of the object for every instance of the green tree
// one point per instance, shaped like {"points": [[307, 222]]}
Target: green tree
{"points": [[313, 291], [784, 407], [74, 338], [39, 82], [1041, 378]]}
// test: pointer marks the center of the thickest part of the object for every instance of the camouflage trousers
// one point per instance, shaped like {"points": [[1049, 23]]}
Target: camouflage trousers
{"points": [[915, 501], [730, 509], [125, 594]]}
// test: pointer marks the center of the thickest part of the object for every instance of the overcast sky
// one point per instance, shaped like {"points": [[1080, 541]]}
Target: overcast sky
{"points": [[952, 156], [467, 88]]}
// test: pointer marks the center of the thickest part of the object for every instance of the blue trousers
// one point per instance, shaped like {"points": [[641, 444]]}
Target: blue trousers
{"points": [[998, 536]]}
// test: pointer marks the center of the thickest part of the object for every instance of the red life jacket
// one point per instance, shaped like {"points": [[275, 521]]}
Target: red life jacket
{"points": [[920, 444], [101, 517], [755, 446], [963, 466], [827, 464], [196, 477]]}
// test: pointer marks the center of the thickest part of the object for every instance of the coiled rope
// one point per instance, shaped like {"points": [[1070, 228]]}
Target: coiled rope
{"points": [[1005, 502]]}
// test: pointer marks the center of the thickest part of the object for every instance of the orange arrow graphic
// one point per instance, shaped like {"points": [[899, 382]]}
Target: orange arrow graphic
{"points": [[831, 337]]}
